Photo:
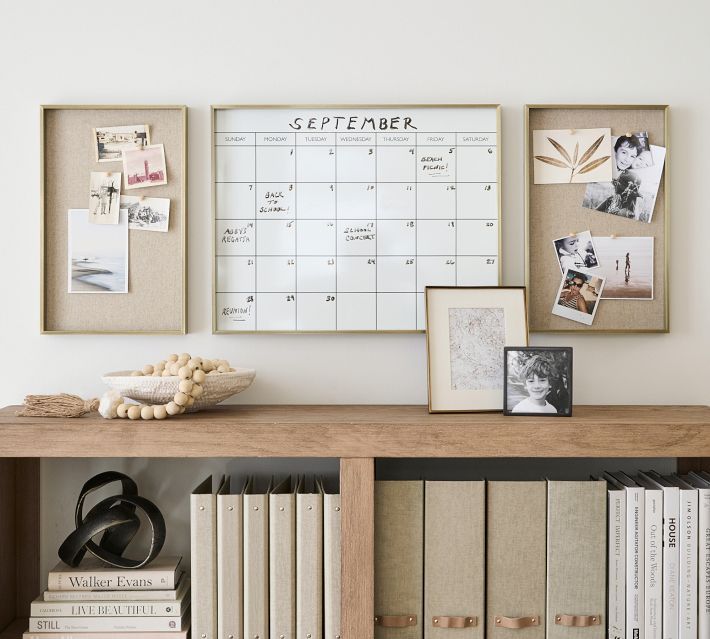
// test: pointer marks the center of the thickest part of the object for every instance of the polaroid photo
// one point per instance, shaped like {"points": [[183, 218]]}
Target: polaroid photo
{"points": [[572, 156], [576, 251], [111, 141], [538, 381], [104, 197], [578, 296], [626, 266], [145, 167], [147, 213], [632, 193], [98, 254]]}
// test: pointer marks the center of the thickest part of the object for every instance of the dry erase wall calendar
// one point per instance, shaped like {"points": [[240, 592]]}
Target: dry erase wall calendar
{"points": [[335, 219]]}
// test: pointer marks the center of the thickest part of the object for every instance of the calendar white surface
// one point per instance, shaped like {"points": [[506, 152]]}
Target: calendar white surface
{"points": [[335, 219]]}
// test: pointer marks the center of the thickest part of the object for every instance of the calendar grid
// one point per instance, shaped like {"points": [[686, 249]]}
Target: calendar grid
{"points": [[355, 204]]}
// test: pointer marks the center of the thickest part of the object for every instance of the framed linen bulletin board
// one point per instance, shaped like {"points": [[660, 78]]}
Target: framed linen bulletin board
{"points": [[336, 218], [597, 218], [113, 219]]}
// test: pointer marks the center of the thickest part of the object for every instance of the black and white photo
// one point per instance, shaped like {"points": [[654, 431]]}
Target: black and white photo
{"points": [[147, 213], [104, 197], [538, 381], [636, 178], [578, 296], [111, 141], [576, 251], [627, 266]]}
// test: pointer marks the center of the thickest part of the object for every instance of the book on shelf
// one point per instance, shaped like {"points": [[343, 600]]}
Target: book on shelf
{"points": [[635, 578], [653, 560], [616, 562], [309, 559], [516, 526], [106, 624], [230, 587], [331, 560], [256, 559], [701, 481], [282, 560], [183, 633], [121, 595], [93, 574], [454, 558]]}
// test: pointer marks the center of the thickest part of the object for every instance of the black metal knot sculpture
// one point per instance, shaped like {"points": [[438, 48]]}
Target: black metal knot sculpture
{"points": [[116, 518]]}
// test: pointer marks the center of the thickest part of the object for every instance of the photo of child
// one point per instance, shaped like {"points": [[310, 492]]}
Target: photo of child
{"points": [[576, 251], [538, 380]]}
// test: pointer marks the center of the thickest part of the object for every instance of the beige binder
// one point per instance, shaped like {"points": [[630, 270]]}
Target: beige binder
{"points": [[454, 559], [230, 593], [399, 545], [515, 559], [331, 563], [309, 561], [576, 559], [256, 561], [282, 561], [203, 559]]}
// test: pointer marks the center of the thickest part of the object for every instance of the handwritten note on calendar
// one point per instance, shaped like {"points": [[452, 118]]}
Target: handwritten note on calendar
{"points": [[335, 219]]}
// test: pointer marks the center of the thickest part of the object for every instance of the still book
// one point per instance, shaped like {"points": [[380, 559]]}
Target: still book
{"points": [[105, 624], [93, 574]]}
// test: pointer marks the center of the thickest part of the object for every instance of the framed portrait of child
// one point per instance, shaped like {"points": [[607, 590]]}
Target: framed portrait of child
{"points": [[538, 381]]}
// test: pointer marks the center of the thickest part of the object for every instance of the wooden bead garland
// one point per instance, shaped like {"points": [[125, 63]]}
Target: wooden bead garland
{"points": [[192, 372]]}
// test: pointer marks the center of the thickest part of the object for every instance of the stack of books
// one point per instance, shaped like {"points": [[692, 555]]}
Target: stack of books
{"points": [[98, 601]]}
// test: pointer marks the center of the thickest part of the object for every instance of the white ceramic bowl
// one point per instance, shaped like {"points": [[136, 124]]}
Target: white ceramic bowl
{"points": [[160, 390]]}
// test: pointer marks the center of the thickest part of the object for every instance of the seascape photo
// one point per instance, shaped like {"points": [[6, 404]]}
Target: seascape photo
{"points": [[98, 254], [627, 265]]}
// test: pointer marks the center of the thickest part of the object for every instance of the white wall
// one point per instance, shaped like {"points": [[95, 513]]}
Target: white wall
{"points": [[319, 51]]}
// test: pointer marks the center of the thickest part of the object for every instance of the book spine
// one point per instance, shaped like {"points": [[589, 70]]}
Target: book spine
{"points": [[104, 624], [704, 562], [617, 564], [93, 609], [653, 563], [671, 511], [688, 603], [129, 580], [635, 625], [110, 595]]}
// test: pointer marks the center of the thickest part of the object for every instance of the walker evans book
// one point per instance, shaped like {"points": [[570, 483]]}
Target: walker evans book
{"points": [[92, 574]]}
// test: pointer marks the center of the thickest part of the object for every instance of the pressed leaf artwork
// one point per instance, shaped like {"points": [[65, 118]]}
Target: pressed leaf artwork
{"points": [[571, 156]]}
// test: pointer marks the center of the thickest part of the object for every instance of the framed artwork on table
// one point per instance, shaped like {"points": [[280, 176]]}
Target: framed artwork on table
{"points": [[467, 330]]}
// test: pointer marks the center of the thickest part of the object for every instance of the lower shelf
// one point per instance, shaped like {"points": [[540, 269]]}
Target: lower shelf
{"points": [[15, 629]]}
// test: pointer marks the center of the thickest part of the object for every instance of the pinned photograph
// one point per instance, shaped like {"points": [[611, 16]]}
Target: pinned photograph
{"points": [[627, 267], [578, 296], [111, 141], [147, 213], [633, 190], [572, 156], [576, 251], [145, 167], [104, 197], [98, 254], [538, 381]]}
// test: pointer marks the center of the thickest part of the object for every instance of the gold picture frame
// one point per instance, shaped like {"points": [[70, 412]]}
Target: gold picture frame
{"points": [[156, 302], [214, 109], [565, 216]]}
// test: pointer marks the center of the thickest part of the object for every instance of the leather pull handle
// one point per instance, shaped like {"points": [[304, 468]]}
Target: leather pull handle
{"points": [[454, 622], [516, 622], [396, 621], [578, 621]]}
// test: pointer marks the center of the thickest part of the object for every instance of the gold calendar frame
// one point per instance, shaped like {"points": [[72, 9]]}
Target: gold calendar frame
{"points": [[221, 107]]}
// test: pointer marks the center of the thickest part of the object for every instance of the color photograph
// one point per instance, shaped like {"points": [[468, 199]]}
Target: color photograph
{"points": [[98, 254], [145, 167], [627, 266], [111, 141], [578, 296]]}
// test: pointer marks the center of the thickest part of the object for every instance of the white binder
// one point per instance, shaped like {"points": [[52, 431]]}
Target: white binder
{"points": [[331, 562], [256, 560], [309, 561], [230, 590], [282, 561]]}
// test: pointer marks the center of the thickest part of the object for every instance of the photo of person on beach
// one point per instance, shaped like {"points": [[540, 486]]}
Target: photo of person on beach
{"points": [[632, 275], [98, 254]]}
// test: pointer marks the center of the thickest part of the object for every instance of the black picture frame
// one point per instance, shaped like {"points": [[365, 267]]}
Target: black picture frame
{"points": [[562, 399]]}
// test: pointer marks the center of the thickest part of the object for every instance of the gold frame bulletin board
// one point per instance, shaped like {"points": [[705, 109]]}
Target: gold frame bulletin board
{"points": [[156, 301], [554, 210]]}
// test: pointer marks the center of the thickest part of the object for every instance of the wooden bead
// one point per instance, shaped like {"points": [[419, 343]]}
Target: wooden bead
{"points": [[198, 377], [165, 373], [180, 398], [122, 410], [134, 412], [190, 401], [185, 386], [194, 363], [136, 373], [185, 356], [160, 366], [197, 391], [223, 368], [148, 369], [156, 374], [147, 412], [207, 365], [185, 372], [160, 411], [174, 368], [173, 358], [171, 408]]}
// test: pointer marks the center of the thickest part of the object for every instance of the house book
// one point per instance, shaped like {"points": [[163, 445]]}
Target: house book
{"points": [[92, 574], [121, 595]]}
